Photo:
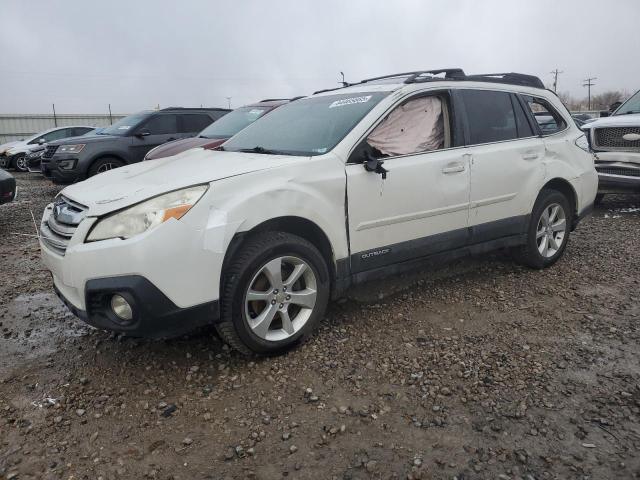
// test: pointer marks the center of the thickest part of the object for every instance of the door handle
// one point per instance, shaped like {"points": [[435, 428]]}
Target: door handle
{"points": [[530, 156], [453, 169]]}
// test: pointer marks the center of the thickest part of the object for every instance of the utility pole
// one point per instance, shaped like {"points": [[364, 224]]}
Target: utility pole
{"points": [[228, 101], [55, 119], [588, 82], [555, 74], [110, 117]]}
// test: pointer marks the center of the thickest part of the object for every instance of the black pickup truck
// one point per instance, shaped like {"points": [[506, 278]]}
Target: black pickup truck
{"points": [[7, 187]]}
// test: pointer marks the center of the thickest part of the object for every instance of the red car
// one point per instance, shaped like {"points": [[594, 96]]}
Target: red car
{"points": [[219, 131]]}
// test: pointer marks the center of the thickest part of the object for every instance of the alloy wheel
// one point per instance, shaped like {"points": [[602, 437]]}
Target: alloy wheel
{"points": [[280, 298], [105, 167], [21, 163], [551, 230]]}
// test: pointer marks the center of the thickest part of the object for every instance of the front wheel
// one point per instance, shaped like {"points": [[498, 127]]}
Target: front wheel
{"points": [[548, 233], [275, 292], [104, 165], [21, 163]]}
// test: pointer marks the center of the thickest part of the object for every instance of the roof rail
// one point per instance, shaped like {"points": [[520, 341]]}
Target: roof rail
{"points": [[420, 76], [282, 99], [511, 78], [192, 108]]}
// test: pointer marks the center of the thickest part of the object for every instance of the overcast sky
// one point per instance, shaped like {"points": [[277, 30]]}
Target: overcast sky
{"points": [[83, 55]]}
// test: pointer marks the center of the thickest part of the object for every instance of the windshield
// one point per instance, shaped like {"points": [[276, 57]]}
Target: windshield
{"points": [[122, 126], [630, 106], [233, 122], [311, 126]]}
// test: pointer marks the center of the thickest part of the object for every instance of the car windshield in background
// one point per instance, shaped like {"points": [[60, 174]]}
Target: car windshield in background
{"points": [[630, 106], [311, 126], [233, 122], [124, 125]]}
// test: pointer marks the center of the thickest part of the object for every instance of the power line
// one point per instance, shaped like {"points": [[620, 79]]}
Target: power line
{"points": [[555, 74], [589, 83]]}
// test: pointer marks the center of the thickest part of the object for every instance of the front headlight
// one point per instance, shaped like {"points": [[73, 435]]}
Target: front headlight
{"points": [[71, 148], [147, 215]]}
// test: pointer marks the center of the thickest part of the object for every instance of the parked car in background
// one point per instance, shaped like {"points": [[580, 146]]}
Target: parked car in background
{"points": [[7, 187], [344, 186], [126, 141], [218, 132], [616, 143], [34, 157], [16, 155]]}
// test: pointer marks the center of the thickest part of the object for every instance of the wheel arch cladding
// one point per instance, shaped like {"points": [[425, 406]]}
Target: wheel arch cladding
{"points": [[567, 190], [298, 226]]}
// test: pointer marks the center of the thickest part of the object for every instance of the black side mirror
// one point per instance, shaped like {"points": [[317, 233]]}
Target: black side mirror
{"points": [[143, 133], [372, 164], [604, 113]]}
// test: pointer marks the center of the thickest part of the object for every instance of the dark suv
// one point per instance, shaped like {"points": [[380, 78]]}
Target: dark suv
{"points": [[126, 141]]}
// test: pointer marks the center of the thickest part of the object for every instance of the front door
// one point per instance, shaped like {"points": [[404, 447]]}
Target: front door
{"points": [[421, 208], [159, 129]]}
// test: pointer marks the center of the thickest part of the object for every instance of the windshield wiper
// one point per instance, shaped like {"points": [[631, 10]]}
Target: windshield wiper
{"points": [[629, 112], [265, 151]]}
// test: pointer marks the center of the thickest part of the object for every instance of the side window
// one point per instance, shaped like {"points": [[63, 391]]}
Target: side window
{"points": [[522, 124], [57, 134], [78, 131], [490, 116], [194, 122], [547, 117], [161, 124], [418, 125]]}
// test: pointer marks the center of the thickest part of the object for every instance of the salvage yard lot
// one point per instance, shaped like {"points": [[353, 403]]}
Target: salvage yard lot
{"points": [[481, 369]]}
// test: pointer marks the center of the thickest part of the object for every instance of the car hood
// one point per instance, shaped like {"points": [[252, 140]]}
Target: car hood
{"points": [[6, 146], [131, 184], [178, 146], [631, 120]]}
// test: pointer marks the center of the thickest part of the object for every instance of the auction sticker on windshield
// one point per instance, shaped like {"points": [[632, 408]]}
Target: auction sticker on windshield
{"points": [[350, 101]]}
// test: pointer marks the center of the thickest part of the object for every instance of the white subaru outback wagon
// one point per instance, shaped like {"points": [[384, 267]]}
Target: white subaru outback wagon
{"points": [[328, 191]]}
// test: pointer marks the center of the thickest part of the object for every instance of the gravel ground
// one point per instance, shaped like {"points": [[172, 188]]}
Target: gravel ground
{"points": [[481, 369]]}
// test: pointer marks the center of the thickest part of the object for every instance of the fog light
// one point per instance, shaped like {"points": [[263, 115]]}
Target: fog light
{"points": [[121, 308]]}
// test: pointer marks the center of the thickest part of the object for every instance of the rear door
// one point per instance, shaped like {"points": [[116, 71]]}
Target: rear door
{"points": [[506, 163], [190, 124], [158, 129], [421, 208]]}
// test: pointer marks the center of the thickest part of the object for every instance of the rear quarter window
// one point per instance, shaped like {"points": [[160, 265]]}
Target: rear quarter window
{"points": [[548, 118]]}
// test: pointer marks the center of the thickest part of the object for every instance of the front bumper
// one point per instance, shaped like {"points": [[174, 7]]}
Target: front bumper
{"points": [[618, 172], [49, 168], [154, 315], [171, 274]]}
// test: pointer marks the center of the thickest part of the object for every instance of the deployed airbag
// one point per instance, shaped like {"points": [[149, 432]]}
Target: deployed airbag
{"points": [[413, 127]]}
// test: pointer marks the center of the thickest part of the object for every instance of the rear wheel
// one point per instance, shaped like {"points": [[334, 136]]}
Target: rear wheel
{"points": [[104, 165], [275, 292], [548, 233]]}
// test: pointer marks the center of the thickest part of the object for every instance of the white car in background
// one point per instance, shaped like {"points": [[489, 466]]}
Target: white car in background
{"points": [[331, 190], [15, 155]]}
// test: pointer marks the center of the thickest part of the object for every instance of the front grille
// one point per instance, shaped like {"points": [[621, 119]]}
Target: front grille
{"points": [[611, 139], [50, 151], [627, 172], [61, 223]]}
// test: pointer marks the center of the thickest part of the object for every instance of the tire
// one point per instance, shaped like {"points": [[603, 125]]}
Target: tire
{"points": [[250, 270], [4, 162], [599, 198], [20, 163], [103, 165], [538, 235]]}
